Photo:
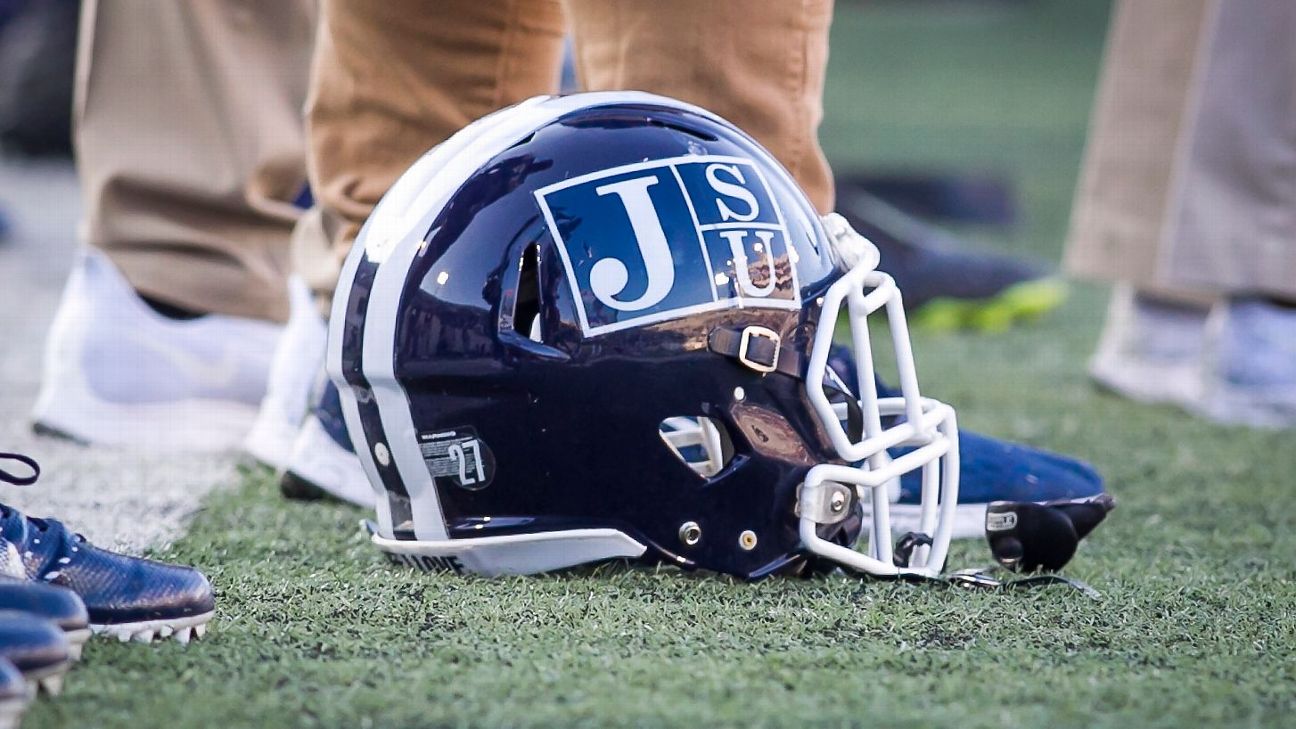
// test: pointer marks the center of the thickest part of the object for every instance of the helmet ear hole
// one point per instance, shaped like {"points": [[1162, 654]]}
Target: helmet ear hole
{"points": [[526, 307], [700, 442]]}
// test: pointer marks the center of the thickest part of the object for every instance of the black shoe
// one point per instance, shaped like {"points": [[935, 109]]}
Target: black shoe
{"points": [[128, 597], [945, 285], [35, 647], [13, 695]]}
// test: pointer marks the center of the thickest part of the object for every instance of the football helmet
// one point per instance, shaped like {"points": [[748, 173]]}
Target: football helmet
{"points": [[597, 326]]}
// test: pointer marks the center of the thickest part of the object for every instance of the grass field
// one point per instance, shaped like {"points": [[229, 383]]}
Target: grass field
{"points": [[1197, 568]]}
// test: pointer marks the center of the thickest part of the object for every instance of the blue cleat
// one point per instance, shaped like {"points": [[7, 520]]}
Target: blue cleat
{"points": [[58, 605], [127, 597], [37, 648], [989, 470]]}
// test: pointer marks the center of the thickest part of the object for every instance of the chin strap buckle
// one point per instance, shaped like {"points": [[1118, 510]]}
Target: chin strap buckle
{"points": [[758, 348]]}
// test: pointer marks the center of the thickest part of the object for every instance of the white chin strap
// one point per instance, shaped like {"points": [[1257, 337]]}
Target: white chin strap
{"points": [[927, 425]]}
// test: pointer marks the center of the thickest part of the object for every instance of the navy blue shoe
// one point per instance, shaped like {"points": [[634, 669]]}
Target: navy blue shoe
{"points": [[37, 648], [13, 695], [323, 464], [58, 605], [127, 597], [989, 470]]}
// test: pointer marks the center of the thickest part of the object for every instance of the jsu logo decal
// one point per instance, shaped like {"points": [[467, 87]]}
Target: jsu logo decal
{"points": [[658, 240]]}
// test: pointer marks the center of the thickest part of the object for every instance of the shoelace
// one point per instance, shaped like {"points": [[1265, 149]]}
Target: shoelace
{"points": [[27, 461], [43, 526]]}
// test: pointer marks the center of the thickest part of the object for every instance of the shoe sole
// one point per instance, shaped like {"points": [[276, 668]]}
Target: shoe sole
{"points": [[319, 468], [1150, 384], [180, 629], [11, 711], [1023, 302], [1270, 408], [76, 641], [296, 488], [85, 419], [48, 679]]}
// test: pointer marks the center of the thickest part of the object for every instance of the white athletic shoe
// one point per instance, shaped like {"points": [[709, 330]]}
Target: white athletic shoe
{"points": [[321, 467], [1251, 365], [119, 373], [296, 360], [1150, 351]]}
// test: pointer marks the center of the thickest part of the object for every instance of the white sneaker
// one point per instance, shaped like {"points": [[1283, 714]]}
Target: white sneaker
{"points": [[1251, 365], [321, 467], [1151, 351], [296, 360], [119, 373]]}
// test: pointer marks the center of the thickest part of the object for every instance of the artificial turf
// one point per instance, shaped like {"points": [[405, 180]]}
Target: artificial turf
{"points": [[1197, 619]]}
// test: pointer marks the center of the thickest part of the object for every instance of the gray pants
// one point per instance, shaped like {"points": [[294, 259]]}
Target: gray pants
{"points": [[1189, 179]]}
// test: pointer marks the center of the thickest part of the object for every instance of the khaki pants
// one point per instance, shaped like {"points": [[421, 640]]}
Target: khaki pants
{"points": [[190, 147], [189, 134], [1189, 181]]}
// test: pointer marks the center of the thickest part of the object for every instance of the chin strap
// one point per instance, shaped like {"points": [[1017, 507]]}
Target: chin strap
{"points": [[1025, 537], [904, 548], [1031, 537], [985, 578], [757, 348]]}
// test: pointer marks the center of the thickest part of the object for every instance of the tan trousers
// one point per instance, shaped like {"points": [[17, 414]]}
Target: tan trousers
{"points": [[190, 147], [200, 219], [1189, 181]]}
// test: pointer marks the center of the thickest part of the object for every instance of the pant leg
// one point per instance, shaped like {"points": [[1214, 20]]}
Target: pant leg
{"points": [[758, 63], [190, 146], [1140, 113], [393, 78], [1232, 221]]}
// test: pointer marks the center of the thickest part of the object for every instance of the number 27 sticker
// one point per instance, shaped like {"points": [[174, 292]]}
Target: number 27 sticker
{"points": [[458, 455]]}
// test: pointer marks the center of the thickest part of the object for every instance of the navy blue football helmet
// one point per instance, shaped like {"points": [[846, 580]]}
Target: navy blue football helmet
{"points": [[596, 326]]}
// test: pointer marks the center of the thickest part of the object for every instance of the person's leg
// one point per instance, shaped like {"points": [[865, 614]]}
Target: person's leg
{"points": [[1152, 345], [1139, 117], [190, 153], [190, 147], [370, 116], [758, 63], [1232, 223], [393, 78], [1187, 196]]}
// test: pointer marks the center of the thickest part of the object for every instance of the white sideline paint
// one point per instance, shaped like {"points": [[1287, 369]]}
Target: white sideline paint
{"points": [[119, 500]]}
